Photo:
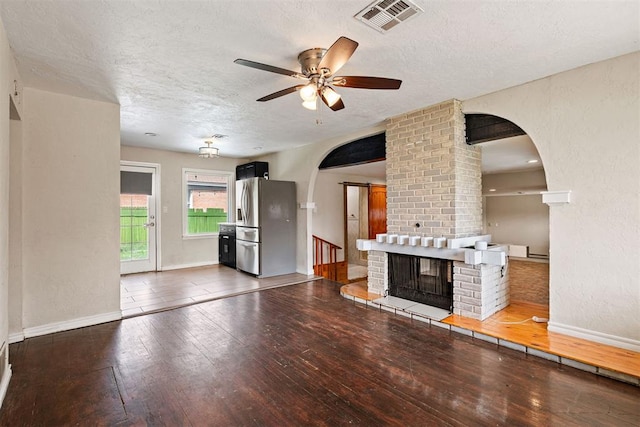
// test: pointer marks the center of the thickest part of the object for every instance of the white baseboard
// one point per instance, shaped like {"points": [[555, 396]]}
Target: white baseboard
{"points": [[67, 325], [15, 337], [306, 273], [195, 264], [599, 337], [4, 383]]}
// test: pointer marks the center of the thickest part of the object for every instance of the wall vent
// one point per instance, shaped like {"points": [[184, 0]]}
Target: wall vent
{"points": [[383, 15]]}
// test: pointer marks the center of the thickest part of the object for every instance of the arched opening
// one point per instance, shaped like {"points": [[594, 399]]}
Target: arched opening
{"points": [[513, 178], [513, 213], [350, 198]]}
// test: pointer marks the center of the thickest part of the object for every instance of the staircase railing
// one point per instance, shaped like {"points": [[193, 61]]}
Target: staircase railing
{"points": [[325, 258]]}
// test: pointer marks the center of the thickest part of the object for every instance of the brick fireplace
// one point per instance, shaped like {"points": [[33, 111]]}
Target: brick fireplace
{"points": [[434, 189]]}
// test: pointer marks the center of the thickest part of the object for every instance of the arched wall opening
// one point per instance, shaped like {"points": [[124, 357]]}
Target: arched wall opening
{"points": [[343, 178], [584, 123], [513, 212]]}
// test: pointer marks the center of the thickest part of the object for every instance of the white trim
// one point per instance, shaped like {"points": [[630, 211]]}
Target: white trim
{"points": [[599, 337], [157, 194], [15, 337], [555, 198], [231, 201], [67, 325], [4, 384], [192, 265]]}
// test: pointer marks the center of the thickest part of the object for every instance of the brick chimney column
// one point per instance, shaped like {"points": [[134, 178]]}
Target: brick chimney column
{"points": [[433, 179]]}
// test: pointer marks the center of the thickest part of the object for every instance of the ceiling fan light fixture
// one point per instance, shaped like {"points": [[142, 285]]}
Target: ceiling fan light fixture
{"points": [[208, 152], [309, 92], [331, 96], [310, 105]]}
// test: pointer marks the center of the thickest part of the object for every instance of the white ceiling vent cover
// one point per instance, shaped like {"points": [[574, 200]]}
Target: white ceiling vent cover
{"points": [[383, 15]]}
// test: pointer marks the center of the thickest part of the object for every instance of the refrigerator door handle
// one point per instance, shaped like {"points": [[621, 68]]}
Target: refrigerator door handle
{"points": [[243, 215], [247, 201], [245, 204]]}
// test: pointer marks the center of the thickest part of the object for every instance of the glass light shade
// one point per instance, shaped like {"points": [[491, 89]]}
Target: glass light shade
{"points": [[208, 151], [309, 92], [330, 95], [309, 105]]}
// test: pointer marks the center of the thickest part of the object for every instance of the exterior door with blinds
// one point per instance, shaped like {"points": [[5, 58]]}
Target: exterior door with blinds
{"points": [[138, 221]]}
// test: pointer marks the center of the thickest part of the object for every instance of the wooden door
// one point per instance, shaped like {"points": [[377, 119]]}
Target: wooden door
{"points": [[377, 210]]}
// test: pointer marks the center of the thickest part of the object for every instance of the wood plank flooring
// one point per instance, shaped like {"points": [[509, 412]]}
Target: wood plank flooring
{"points": [[508, 325], [298, 355], [156, 291]]}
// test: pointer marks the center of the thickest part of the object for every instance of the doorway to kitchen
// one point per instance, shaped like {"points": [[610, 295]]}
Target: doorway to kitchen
{"points": [[138, 217]]}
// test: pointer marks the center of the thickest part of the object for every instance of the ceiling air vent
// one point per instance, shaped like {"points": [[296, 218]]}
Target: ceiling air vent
{"points": [[383, 15]]}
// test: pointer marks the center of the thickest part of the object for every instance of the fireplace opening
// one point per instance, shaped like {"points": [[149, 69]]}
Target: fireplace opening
{"points": [[425, 280]]}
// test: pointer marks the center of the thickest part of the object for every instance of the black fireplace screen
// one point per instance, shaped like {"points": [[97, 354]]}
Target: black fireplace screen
{"points": [[425, 280]]}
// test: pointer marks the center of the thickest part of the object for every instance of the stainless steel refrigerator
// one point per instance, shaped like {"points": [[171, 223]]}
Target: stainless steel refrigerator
{"points": [[266, 227]]}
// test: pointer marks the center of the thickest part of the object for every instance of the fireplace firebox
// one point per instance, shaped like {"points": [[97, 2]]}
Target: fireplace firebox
{"points": [[425, 280]]}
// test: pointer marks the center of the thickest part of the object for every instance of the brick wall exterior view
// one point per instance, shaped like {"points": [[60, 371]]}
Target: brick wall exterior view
{"points": [[209, 199]]}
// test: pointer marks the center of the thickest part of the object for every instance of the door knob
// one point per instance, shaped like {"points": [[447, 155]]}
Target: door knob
{"points": [[149, 224]]}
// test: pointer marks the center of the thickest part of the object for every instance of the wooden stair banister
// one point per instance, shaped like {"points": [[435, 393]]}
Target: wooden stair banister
{"points": [[328, 269]]}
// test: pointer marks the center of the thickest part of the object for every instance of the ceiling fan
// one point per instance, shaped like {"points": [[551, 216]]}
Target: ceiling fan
{"points": [[318, 68]]}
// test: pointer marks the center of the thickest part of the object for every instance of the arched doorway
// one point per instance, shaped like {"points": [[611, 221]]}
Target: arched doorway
{"points": [[350, 195], [513, 178]]}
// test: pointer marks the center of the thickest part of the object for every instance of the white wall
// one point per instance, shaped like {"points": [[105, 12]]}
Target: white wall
{"points": [[70, 181], [514, 182], [518, 220], [15, 236], [178, 252], [8, 75], [510, 217], [5, 75], [328, 215], [586, 126]]}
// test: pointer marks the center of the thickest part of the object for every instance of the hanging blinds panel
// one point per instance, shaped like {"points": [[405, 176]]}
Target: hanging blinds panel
{"points": [[135, 183]]}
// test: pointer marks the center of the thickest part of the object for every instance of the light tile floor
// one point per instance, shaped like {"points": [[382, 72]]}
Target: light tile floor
{"points": [[356, 271], [144, 293]]}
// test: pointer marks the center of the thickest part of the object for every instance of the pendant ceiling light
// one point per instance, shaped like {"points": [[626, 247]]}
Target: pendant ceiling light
{"points": [[208, 152]]}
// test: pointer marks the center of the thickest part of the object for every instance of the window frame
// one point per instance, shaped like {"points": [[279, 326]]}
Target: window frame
{"points": [[185, 200]]}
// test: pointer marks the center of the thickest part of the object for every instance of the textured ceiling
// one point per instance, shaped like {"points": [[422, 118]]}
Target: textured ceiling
{"points": [[170, 63]]}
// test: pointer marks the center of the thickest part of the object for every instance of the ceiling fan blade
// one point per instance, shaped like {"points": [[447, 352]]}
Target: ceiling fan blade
{"points": [[270, 68], [280, 93], [338, 54], [338, 105], [361, 82]]}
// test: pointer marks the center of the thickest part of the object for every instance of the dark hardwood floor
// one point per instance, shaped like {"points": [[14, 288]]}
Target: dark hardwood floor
{"points": [[297, 355]]}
